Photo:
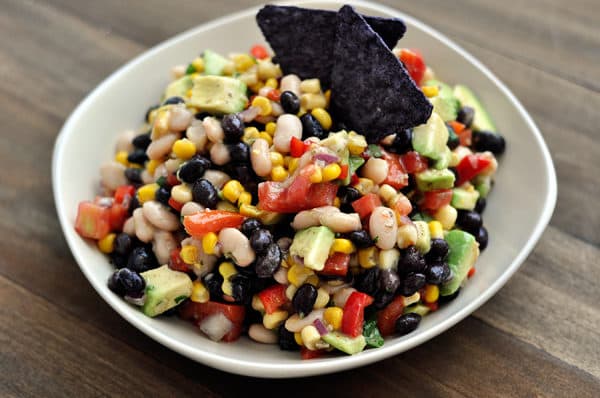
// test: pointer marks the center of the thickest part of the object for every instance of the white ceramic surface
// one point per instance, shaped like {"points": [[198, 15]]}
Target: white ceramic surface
{"points": [[518, 210]]}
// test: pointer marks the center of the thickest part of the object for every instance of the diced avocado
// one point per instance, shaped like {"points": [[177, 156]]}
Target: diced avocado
{"points": [[463, 253], [214, 63], [165, 289], [445, 103], [464, 199], [420, 309], [431, 179], [423, 243], [430, 139], [422, 217], [483, 184], [347, 344], [444, 161], [218, 94], [179, 87], [481, 120], [313, 244]]}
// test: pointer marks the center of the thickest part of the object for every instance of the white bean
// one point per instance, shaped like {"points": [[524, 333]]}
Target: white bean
{"points": [[143, 229], [276, 109], [113, 175], [197, 135], [163, 244], [383, 227], [249, 114], [261, 334], [160, 171], [290, 83], [376, 169], [305, 219], [178, 71], [219, 154], [216, 177], [341, 222], [124, 141], [147, 178], [260, 157], [161, 147], [288, 126], [333, 288], [295, 324], [129, 226], [341, 296], [236, 245], [173, 164], [213, 129], [180, 118], [160, 216], [191, 208]]}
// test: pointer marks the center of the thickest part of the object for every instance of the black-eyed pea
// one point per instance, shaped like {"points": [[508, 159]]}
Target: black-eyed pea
{"points": [[383, 227], [235, 245], [160, 216], [260, 157]]}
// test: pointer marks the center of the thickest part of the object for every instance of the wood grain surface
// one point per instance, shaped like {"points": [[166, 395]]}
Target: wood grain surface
{"points": [[539, 336]]}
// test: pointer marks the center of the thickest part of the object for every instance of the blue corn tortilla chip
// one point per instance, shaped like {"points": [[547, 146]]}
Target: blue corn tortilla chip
{"points": [[371, 91], [303, 38]]}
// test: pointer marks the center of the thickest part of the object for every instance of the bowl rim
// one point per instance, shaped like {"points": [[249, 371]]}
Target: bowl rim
{"points": [[319, 366]]}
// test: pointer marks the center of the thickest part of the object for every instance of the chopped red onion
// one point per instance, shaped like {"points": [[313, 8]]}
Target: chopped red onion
{"points": [[322, 329], [137, 299], [326, 157], [216, 326], [249, 114]]}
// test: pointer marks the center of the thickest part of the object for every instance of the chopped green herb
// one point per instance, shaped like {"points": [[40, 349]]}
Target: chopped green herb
{"points": [[371, 333], [374, 150], [190, 69], [162, 181], [179, 299]]}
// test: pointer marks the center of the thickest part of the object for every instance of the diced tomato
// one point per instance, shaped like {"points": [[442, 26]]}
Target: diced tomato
{"points": [[336, 265], [397, 176], [201, 223], [465, 137], [298, 147], [402, 205], [322, 194], [176, 262], [305, 353], [172, 180], [273, 297], [470, 166], [196, 312], [175, 204], [365, 205], [471, 272], [414, 162], [259, 52], [93, 220], [354, 313], [354, 179], [433, 306], [434, 200], [344, 172], [414, 64], [457, 126], [124, 193], [118, 215], [274, 95], [386, 318]]}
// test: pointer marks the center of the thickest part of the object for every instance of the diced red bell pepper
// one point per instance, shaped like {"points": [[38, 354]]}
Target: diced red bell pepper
{"points": [[465, 137], [414, 162], [274, 95], [305, 353], [176, 262], [175, 204], [273, 297], [336, 265], [93, 220], [471, 272], [434, 200], [397, 176], [196, 312], [414, 64], [458, 127], [124, 194], [259, 52], [387, 317], [201, 223], [120, 207], [354, 313], [344, 173], [365, 205], [470, 166], [298, 147]]}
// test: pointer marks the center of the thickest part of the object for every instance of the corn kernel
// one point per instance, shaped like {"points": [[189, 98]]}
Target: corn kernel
{"points": [[184, 149], [276, 159], [209, 242], [121, 157], [387, 193], [189, 93], [365, 186], [337, 202], [312, 86], [388, 259], [367, 258], [446, 215], [245, 198], [293, 165], [278, 173], [232, 190], [227, 270], [249, 211], [189, 254], [310, 101], [323, 117], [313, 280], [432, 293], [290, 291], [297, 274], [198, 64], [267, 69], [356, 143], [227, 206], [331, 172], [160, 125], [182, 193], [310, 337], [243, 62], [333, 316], [327, 98], [200, 293], [151, 166], [322, 299], [407, 235], [265, 136], [147, 192], [250, 134], [430, 91], [264, 104], [298, 338], [316, 176], [343, 246], [272, 321], [255, 87], [436, 230], [257, 304], [107, 244], [272, 82], [270, 128]]}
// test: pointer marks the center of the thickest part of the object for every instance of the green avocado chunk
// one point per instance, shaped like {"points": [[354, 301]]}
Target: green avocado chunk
{"points": [[179, 87], [445, 103], [313, 244], [165, 289], [213, 63], [464, 199], [430, 139], [481, 120], [218, 94], [431, 179], [463, 253], [347, 344]]}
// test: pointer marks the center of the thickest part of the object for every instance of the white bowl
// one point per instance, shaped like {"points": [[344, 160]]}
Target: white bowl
{"points": [[519, 207]]}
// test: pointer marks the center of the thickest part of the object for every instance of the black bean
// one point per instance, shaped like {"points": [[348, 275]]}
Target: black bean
{"points": [[437, 272], [249, 225], [411, 261], [129, 281], [213, 282], [286, 339], [482, 238], [138, 156], [192, 170], [123, 244], [389, 281], [304, 299], [469, 221], [114, 284], [368, 281], [133, 204], [173, 101], [402, 142], [205, 193], [201, 115], [361, 239], [447, 299], [488, 141], [439, 250], [480, 205], [241, 288], [382, 299], [260, 240], [118, 260], [465, 116], [162, 195], [134, 174], [142, 141], [141, 259], [412, 283], [149, 111], [239, 152], [290, 102], [348, 194], [407, 323], [268, 262], [233, 127], [311, 127]]}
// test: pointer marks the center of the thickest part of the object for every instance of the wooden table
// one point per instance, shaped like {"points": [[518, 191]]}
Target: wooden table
{"points": [[539, 336]]}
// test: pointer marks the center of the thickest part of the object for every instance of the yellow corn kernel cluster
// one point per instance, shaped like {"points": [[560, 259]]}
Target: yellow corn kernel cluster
{"points": [[264, 104], [250, 134], [257, 304], [121, 157], [271, 82], [276, 159], [278, 173], [232, 190], [265, 136], [310, 337], [249, 211], [151, 166], [436, 230], [270, 128], [227, 270], [365, 186], [331, 172], [432, 293], [272, 321], [343, 246], [147, 192], [430, 91], [298, 274], [107, 244], [189, 254], [243, 62], [198, 64], [184, 149], [293, 164], [367, 258], [322, 299], [356, 143], [209, 242], [322, 117], [446, 215], [200, 293], [182, 193], [245, 198], [298, 339], [316, 176], [333, 317], [226, 206]]}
